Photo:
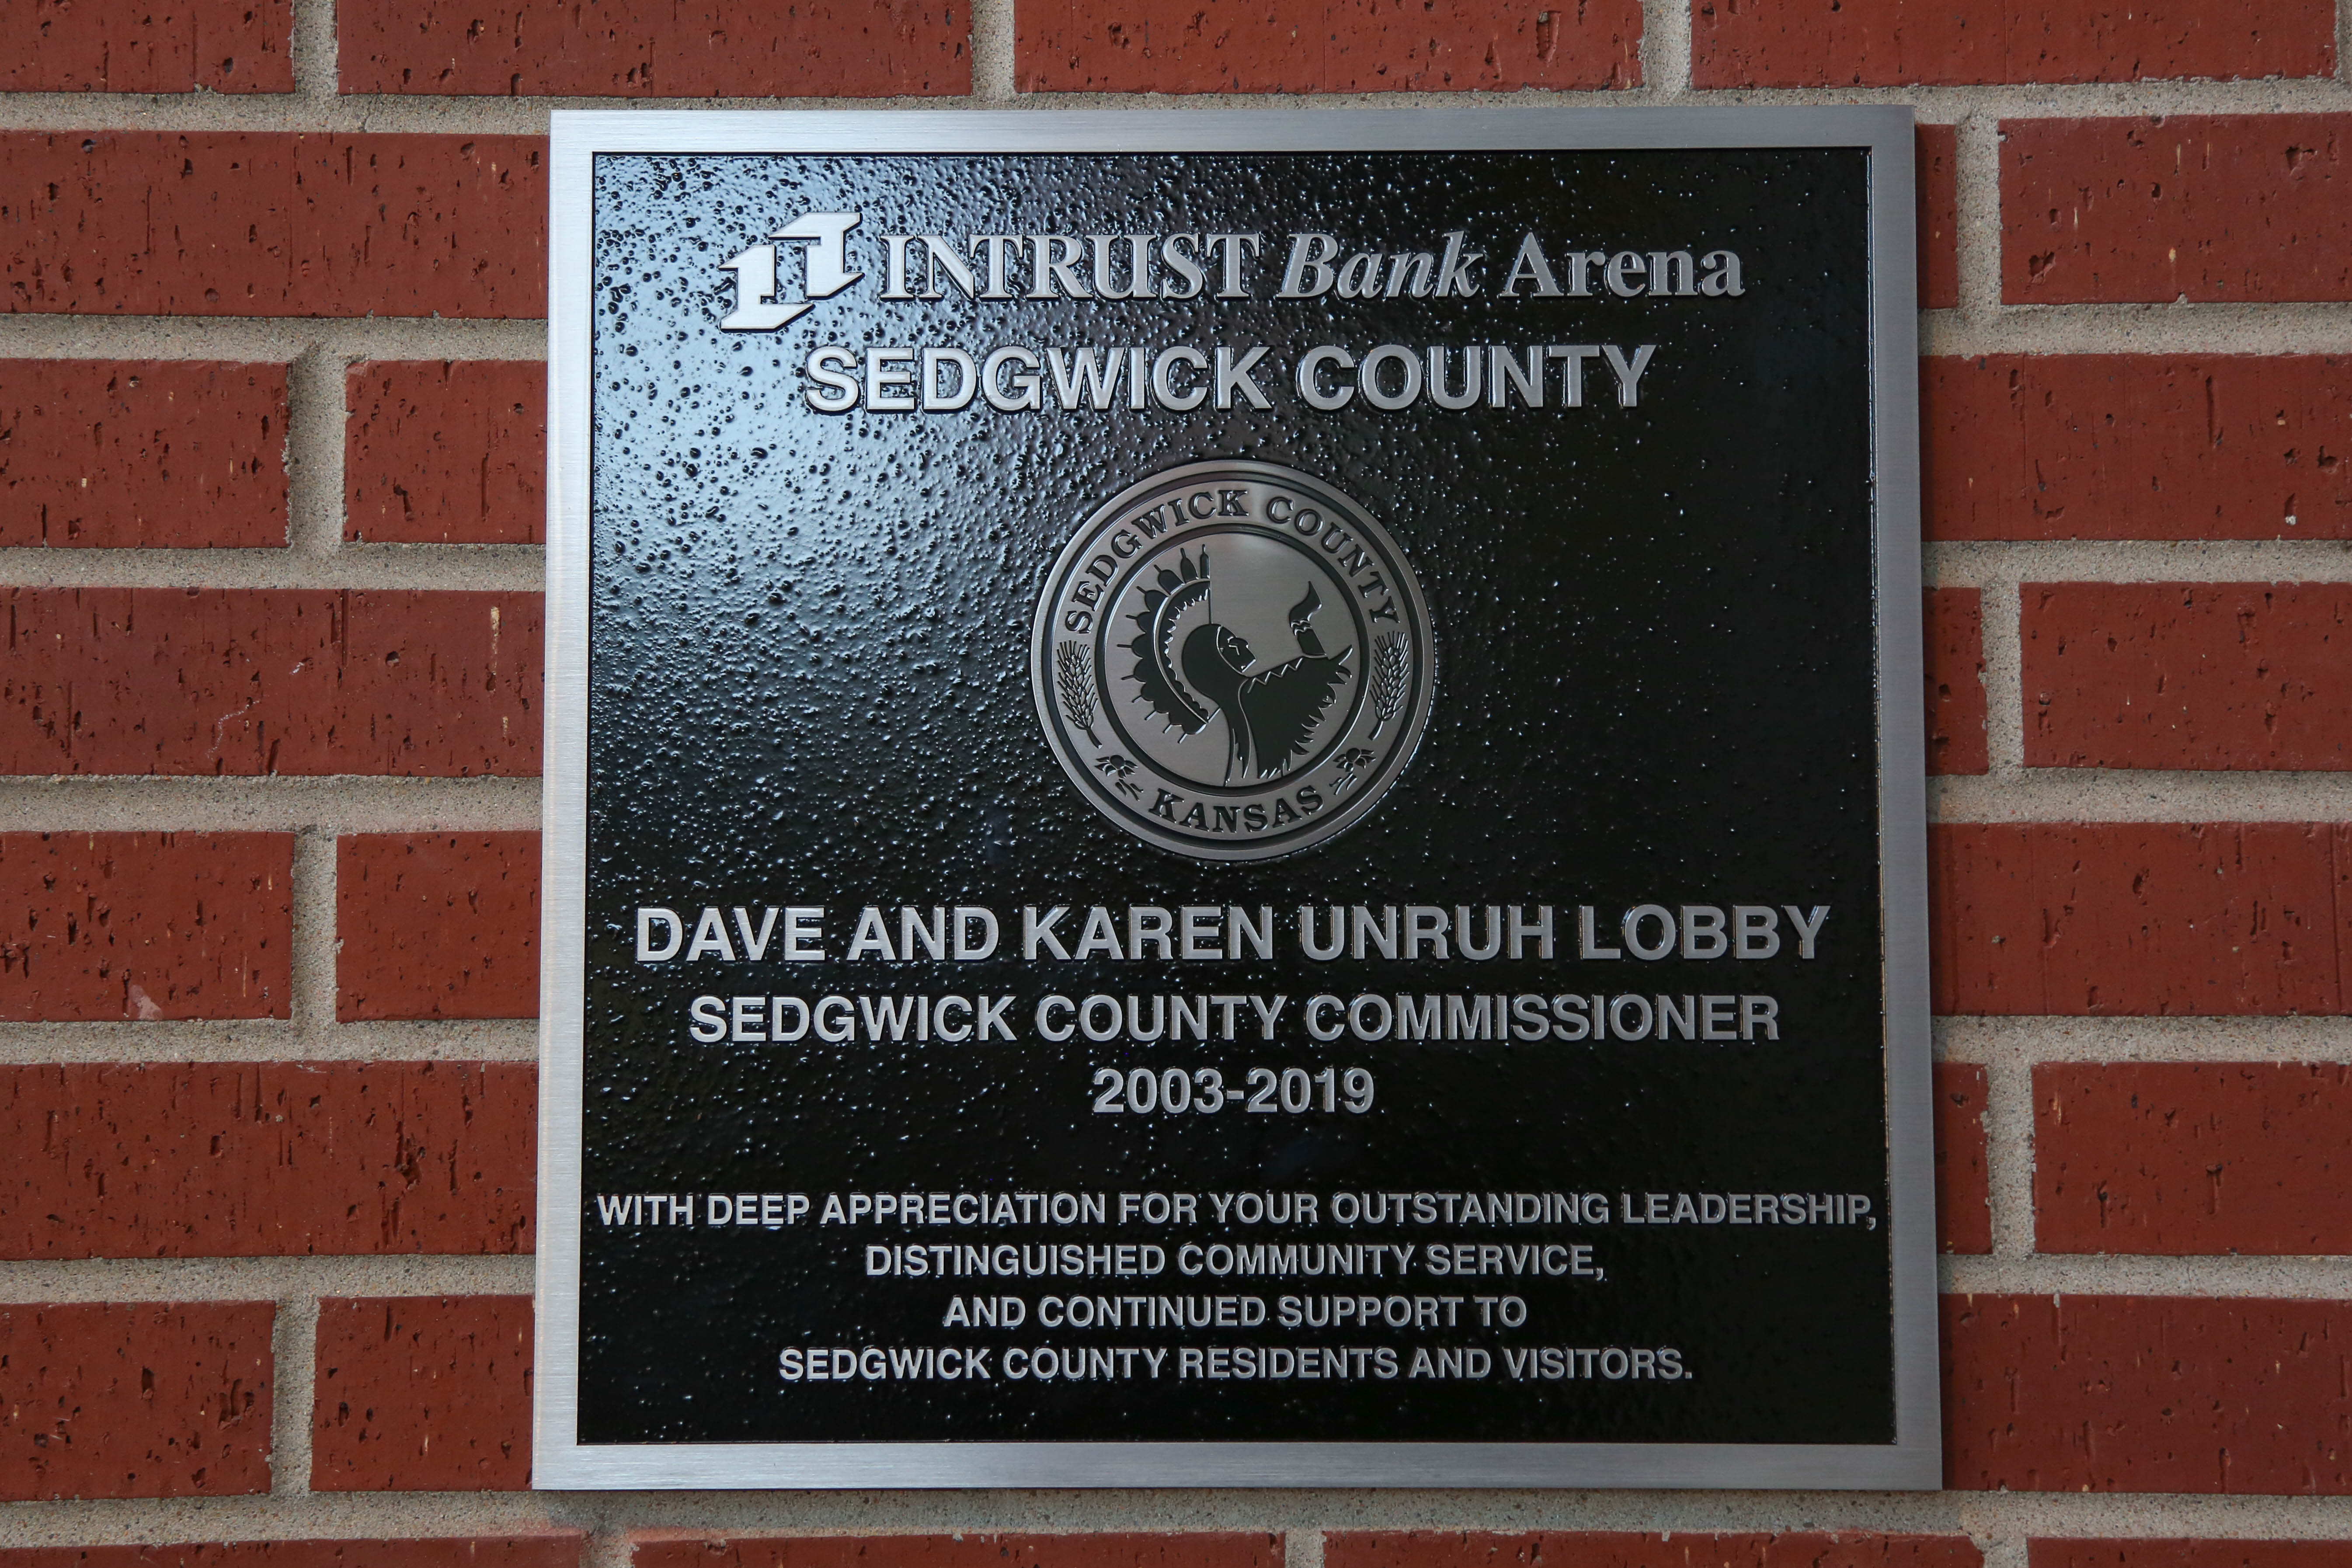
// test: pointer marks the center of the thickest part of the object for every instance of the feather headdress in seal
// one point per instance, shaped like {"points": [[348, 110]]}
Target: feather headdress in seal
{"points": [[1155, 663]]}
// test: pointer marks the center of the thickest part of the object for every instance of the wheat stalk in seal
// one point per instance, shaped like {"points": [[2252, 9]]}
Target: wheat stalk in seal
{"points": [[1391, 670], [1073, 680]]}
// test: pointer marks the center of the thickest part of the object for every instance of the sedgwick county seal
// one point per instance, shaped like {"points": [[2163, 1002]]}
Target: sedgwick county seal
{"points": [[1232, 660]]}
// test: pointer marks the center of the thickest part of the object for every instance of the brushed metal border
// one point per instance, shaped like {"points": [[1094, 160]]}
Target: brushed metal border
{"points": [[1913, 1461]]}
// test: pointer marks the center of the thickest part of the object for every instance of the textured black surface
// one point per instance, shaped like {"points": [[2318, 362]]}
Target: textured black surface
{"points": [[809, 686]]}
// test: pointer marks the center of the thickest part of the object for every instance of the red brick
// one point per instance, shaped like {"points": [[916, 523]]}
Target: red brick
{"points": [[1956, 690], [552, 1549], [438, 926], [212, 45], [277, 680], [1186, 1548], [273, 224], [1963, 1190], [2222, 207], [423, 1394], [106, 926], [2137, 446], [642, 49], [1612, 1549], [266, 1160], [2137, 918], [445, 452], [152, 1400], [2132, 1393], [2174, 1158], [1937, 192], [2159, 1554], [1316, 46], [159, 453], [1934, 43], [2187, 675]]}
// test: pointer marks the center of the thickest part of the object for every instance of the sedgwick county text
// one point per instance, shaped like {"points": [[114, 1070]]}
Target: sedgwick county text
{"points": [[1019, 378]]}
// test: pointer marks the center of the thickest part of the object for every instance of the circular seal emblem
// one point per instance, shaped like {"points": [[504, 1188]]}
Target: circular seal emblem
{"points": [[1232, 660]]}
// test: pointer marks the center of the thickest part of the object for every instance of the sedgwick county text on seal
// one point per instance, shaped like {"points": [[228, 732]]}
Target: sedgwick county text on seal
{"points": [[1232, 660]]}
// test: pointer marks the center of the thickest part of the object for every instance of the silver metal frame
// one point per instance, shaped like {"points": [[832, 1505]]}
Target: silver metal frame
{"points": [[1912, 1462]]}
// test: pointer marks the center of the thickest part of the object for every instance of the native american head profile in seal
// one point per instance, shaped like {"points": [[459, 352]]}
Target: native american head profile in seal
{"points": [[1233, 660], [1271, 714]]}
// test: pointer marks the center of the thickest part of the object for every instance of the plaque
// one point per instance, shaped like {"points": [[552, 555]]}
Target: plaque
{"points": [[1234, 799]]}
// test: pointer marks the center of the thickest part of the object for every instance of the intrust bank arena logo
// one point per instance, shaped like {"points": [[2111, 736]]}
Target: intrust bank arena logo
{"points": [[758, 305]]}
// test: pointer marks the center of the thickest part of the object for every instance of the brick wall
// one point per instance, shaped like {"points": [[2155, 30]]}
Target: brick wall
{"points": [[269, 512]]}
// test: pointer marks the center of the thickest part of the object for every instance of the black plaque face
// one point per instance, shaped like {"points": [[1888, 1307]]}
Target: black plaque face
{"points": [[1230, 797]]}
